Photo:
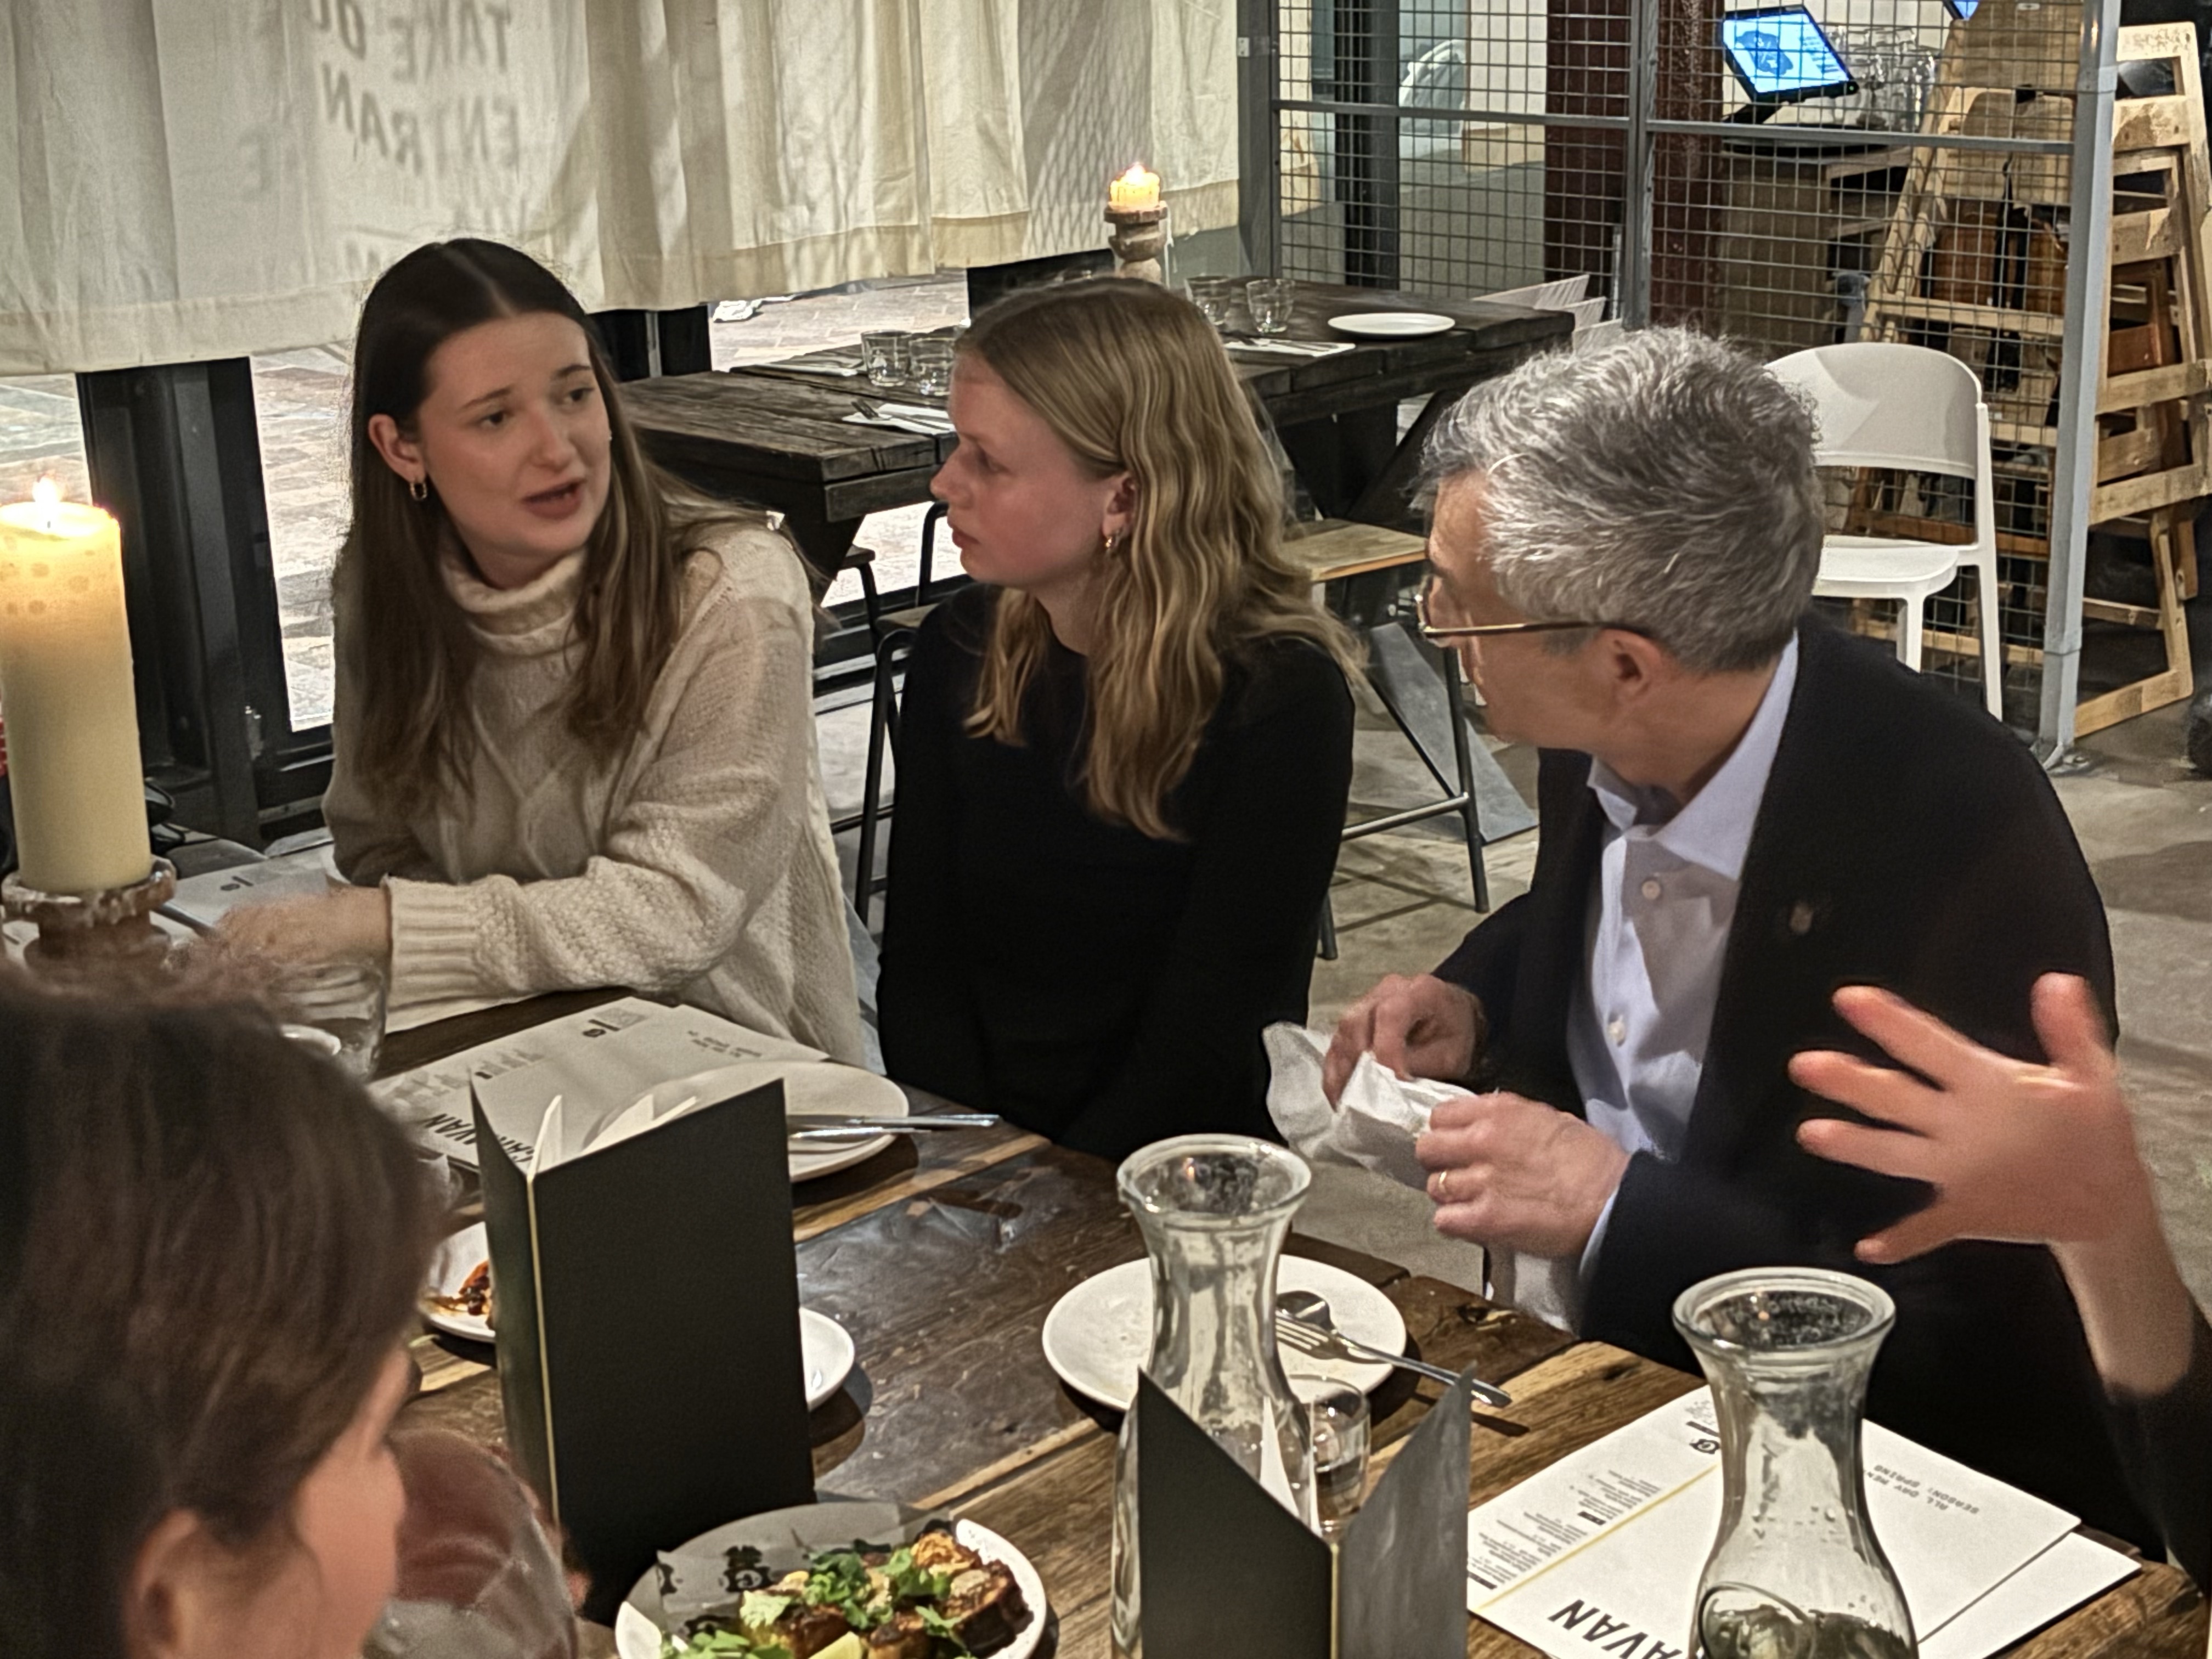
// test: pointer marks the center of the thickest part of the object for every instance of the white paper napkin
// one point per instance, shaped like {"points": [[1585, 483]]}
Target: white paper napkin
{"points": [[1292, 347], [1373, 1127], [905, 417]]}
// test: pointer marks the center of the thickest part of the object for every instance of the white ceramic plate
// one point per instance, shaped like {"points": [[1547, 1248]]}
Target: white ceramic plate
{"points": [[637, 1631], [1391, 324], [825, 1348], [1096, 1336], [826, 1352], [458, 1256], [811, 1087]]}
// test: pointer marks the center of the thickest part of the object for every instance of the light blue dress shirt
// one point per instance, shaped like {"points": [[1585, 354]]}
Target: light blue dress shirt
{"points": [[1659, 918]]}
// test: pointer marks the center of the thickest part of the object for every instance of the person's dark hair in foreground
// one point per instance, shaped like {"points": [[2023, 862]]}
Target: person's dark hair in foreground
{"points": [[210, 1247]]}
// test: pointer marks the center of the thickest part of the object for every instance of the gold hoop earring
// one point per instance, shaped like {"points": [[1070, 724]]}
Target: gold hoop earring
{"points": [[419, 488]]}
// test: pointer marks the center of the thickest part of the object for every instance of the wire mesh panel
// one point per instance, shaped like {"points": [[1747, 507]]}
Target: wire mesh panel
{"points": [[1786, 175]]}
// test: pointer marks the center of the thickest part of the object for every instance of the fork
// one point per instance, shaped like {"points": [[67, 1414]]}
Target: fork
{"points": [[1316, 1338]]}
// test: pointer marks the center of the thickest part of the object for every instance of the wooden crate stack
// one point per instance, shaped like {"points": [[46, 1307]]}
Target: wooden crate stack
{"points": [[1973, 264]]}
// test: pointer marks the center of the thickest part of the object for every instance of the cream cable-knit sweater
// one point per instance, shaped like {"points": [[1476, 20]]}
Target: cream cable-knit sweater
{"points": [[697, 863]]}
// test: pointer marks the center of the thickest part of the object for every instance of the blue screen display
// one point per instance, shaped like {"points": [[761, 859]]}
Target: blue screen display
{"points": [[1782, 54]]}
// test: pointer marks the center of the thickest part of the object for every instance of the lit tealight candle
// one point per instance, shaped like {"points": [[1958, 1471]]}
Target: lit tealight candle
{"points": [[66, 694], [1134, 191]]}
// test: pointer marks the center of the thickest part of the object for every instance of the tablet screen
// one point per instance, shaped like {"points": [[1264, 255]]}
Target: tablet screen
{"points": [[1781, 55]]}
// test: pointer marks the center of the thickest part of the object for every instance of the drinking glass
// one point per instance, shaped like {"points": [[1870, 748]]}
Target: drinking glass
{"points": [[931, 364], [1215, 297], [335, 1007], [883, 356], [1336, 1413], [1269, 298], [478, 1577]]}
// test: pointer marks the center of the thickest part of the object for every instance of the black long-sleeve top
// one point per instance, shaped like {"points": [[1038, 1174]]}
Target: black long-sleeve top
{"points": [[2166, 1444], [1075, 976]]}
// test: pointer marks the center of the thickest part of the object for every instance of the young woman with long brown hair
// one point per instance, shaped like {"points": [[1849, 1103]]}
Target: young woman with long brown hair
{"points": [[575, 735], [211, 1243], [1124, 756]]}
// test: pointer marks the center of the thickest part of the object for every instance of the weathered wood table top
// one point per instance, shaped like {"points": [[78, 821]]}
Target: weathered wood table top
{"points": [[942, 1256], [775, 439]]}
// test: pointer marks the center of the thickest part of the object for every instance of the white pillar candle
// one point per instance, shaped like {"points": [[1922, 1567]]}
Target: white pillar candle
{"points": [[1137, 190], [67, 697]]}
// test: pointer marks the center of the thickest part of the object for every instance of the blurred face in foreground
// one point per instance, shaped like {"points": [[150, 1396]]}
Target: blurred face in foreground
{"points": [[310, 1591]]}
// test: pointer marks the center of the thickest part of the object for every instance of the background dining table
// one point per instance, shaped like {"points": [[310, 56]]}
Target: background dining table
{"points": [[780, 438], [941, 1257]]}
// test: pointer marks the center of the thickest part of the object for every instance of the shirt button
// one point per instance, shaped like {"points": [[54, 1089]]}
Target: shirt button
{"points": [[1617, 1028], [1651, 890]]}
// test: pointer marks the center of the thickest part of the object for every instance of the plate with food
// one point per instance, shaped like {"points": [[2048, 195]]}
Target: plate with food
{"points": [[458, 1298], [1391, 324], [1097, 1335], [808, 1583], [457, 1301], [811, 1088]]}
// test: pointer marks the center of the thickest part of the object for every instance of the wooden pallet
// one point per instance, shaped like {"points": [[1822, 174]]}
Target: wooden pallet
{"points": [[1973, 264]]}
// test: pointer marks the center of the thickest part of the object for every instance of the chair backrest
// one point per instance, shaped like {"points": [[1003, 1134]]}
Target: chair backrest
{"points": [[1880, 404]]}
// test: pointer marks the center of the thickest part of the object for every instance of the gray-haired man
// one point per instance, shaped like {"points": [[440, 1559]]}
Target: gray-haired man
{"points": [[1742, 811]]}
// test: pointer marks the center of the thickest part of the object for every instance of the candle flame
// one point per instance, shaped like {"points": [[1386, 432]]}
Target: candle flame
{"points": [[1135, 175], [47, 492]]}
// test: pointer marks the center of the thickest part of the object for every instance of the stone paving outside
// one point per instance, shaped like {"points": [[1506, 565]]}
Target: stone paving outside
{"points": [[300, 403]]}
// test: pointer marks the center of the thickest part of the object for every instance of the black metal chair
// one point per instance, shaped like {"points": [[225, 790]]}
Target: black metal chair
{"points": [[891, 635]]}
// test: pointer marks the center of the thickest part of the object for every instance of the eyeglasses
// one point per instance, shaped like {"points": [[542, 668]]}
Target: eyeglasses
{"points": [[1432, 633]]}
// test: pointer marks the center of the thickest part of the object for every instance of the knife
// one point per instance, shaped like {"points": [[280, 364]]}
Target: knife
{"points": [[828, 1127]]}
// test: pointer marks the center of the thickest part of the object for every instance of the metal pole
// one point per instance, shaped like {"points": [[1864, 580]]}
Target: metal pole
{"points": [[2074, 470], [1259, 139], [1634, 287]]}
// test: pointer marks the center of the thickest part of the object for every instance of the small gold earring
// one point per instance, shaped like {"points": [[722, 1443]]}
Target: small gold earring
{"points": [[419, 488]]}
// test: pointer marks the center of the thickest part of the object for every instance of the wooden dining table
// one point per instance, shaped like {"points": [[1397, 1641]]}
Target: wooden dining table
{"points": [[780, 438], [941, 1257]]}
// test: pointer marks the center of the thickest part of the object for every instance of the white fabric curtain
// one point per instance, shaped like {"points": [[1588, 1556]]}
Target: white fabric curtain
{"points": [[194, 178]]}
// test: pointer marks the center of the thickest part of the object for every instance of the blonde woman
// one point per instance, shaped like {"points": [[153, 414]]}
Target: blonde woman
{"points": [[574, 733], [1123, 758]]}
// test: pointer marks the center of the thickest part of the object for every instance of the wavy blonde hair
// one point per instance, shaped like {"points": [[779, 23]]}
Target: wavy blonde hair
{"points": [[1132, 378]]}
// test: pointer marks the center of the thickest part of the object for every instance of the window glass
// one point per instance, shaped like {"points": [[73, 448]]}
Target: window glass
{"points": [[299, 406]]}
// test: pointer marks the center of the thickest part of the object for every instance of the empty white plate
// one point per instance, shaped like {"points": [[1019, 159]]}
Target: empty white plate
{"points": [[1391, 324], [825, 1348], [811, 1087], [1096, 1336]]}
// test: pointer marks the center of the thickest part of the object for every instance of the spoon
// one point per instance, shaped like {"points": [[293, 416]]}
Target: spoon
{"points": [[1311, 1310]]}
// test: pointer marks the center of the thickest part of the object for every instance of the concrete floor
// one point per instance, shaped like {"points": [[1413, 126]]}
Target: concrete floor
{"points": [[1403, 899]]}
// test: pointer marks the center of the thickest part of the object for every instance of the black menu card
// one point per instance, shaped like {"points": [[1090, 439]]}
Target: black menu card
{"points": [[1225, 1568], [647, 1325]]}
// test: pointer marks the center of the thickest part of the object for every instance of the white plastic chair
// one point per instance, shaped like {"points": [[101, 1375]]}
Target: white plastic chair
{"points": [[1880, 404]]}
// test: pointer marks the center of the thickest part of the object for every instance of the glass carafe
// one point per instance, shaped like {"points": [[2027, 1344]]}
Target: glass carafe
{"points": [[1214, 1210], [1796, 1571]]}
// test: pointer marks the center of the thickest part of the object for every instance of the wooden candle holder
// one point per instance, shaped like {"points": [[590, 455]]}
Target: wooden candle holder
{"points": [[1137, 239], [81, 931]]}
